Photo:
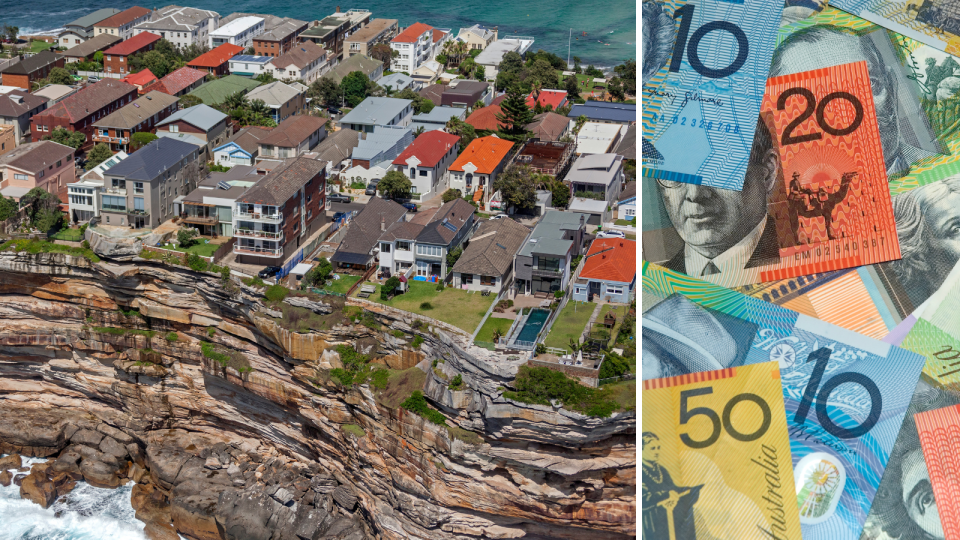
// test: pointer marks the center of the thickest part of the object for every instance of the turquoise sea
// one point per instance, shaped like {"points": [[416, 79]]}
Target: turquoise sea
{"points": [[610, 25]]}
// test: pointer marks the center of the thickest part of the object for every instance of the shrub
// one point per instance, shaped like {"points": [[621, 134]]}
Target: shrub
{"points": [[379, 378], [456, 383], [558, 294], [172, 336], [211, 331], [439, 286], [276, 293], [613, 365], [451, 195], [255, 281], [426, 305], [417, 324], [196, 263], [417, 342], [541, 348], [417, 404], [85, 244], [541, 385], [186, 237], [388, 288], [398, 333], [224, 274]]}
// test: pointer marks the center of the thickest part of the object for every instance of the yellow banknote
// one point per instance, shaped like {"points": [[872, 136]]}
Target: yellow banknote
{"points": [[716, 457]]}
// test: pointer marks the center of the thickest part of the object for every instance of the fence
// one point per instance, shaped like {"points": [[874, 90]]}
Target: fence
{"points": [[295, 260], [101, 74], [366, 276], [225, 249]]}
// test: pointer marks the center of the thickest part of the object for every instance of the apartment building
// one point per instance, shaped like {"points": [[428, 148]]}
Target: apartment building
{"points": [[84, 194], [122, 24], [44, 164], [17, 107], [182, 26], [363, 40], [278, 37], [275, 216], [79, 111], [80, 30], [140, 191], [331, 31], [477, 37], [31, 69], [143, 114], [240, 31], [414, 46], [304, 62], [209, 208], [115, 58], [379, 111], [86, 50]]}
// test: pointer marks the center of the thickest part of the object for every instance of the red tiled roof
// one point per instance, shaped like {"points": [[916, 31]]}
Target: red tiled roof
{"points": [[554, 98], [485, 153], [124, 17], [412, 33], [429, 148], [180, 79], [88, 100], [217, 56], [618, 264], [438, 35], [498, 100], [133, 44], [157, 86], [485, 118], [140, 78]]}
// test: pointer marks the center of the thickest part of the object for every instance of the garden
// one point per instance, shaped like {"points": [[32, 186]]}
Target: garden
{"points": [[456, 307], [569, 324]]}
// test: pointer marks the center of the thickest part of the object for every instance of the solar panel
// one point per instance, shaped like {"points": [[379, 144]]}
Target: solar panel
{"points": [[449, 226], [223, 185], [501, 246]]}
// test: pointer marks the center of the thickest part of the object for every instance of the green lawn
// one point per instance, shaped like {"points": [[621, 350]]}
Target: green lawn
{"points": [[37, 46], [491, 324], [624, 393], [619, 311], [452, 306], [631, 236], [626, 222], [341, 285], [69, 235], [202, 249], [570, 324]]}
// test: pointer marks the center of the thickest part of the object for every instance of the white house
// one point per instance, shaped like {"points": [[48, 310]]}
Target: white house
{"points": [[425, 162], [305, 61], [414, 46], [83, 196], [247, 65], [424, 241], [239, 31], [181, 26]]}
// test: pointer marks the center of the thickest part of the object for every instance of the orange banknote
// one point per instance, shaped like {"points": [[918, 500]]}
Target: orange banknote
{"points": [[832, 208], [939, 432]]}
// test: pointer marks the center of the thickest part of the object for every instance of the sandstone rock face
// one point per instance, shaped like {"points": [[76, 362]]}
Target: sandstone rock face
{"points": [[260, 453]]}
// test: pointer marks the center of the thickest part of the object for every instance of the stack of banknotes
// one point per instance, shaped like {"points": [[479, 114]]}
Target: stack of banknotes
{"points": [[800, 279]]}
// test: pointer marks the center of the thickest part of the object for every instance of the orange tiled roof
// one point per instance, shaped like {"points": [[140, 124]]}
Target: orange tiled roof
{"points": [[554, 98], [412, 33], [217, 56], [485, 118], [438, 35], [619, 264], [140, 78], [132, 45], [485, 153]]}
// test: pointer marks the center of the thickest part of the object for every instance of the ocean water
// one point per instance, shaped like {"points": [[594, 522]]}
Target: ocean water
{"points": [[86, 513], [610, 25]]}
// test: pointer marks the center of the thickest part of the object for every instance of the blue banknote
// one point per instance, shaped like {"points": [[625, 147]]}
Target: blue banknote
{"points": [[845, 394], [705, 65]]}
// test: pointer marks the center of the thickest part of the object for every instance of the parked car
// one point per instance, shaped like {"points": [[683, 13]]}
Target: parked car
{"points": [[80, 161], [333, 110], [338, 198], [93, 79], [371, 189], [611, 234], [499, 216], [338, 215], [269, 271], [409, 206]]}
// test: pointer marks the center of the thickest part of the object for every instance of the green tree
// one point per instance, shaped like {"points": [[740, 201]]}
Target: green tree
{"points": [[594, 72], [426, 106], [545, 73], [453, 256], [8, 208], [616, 89], [186, 237], [43, 209], [512, 63], [156, 62], [465, 131], [467, 67], [560, 193], [395, 185], [420, 103], [326, 90], [576, 65], [451, 195], [627, 72], [189, 52], [356, 87], [442, 59], [59, 76], [187, 101], [97, 155], [250, 51], [517, 186], [98, 57], [383, 53], [73, 139], [419, 131], [140, 139], [572, 86], [236, 100], [480, 73], [389, 287], [259, 108], [11, 32], [514, 116], [265, 78], [578, 125]]}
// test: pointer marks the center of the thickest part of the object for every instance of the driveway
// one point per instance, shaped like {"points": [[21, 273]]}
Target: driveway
{"points": [[346, 207]]}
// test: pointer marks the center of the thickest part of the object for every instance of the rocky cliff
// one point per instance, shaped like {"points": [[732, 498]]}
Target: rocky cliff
{"points": [[270, 446]]}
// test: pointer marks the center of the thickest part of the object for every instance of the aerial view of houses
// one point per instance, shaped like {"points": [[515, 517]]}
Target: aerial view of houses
{"points": [[396, 213]]}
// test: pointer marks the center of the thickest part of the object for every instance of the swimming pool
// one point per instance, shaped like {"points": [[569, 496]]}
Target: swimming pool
{"points": [[533, 324]]}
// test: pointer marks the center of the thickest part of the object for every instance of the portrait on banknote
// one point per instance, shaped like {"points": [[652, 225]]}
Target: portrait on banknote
{"points": [[666, 505], [681, 337]]}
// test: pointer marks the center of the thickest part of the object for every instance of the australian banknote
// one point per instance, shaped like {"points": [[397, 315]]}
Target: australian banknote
{"points": [[845, 394], [716, 457], [914, 92], [704, 64], [939, 432], [933, 22]]}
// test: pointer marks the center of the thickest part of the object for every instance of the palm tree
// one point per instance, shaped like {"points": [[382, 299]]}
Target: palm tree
{"points": [[419, 131], [536, 87], [497, 334], [237, 100], [258, 107], [388, 89]]}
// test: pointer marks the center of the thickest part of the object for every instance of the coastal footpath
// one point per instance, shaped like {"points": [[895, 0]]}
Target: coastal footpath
{"points": [[232, 427]]}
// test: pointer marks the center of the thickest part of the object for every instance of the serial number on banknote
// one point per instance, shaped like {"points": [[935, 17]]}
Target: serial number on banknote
{"points": [[724, 127]]}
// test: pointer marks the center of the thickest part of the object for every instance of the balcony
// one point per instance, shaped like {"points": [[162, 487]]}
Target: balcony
{"points": [[108, 139], [200, 220], [115, 191], [138, 212], [267, 218], [256, 233], [547, 272], [260, 251]]}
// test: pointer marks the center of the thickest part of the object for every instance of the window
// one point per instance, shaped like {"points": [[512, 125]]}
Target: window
{"points": [[41, 174], [19, 176], [111, 202], [423, 172], [579, 290], [467, 279], [630, 211], [174, 128], [488, 280], [432, 251], [59, 163], [614, 290], [138, 187], [138, 203], [403, 246]]}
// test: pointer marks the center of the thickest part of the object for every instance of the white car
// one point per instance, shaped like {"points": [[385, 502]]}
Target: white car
{"points": [[498, 216], [611, 234]]}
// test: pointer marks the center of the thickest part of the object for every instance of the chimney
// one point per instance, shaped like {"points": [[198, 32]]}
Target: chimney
{"points": [[581, 220], [338, 9], [383, 224]]}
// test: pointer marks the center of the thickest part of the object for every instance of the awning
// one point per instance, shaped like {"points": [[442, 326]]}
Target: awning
{"points": [[301, 269], [344, 257]]}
